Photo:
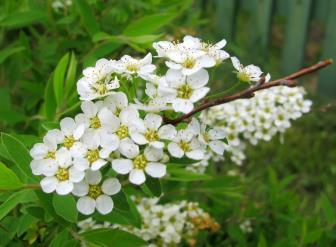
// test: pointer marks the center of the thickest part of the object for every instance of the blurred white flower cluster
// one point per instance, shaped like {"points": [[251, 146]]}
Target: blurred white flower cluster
{"points": [[252, 120], [164, 224]]}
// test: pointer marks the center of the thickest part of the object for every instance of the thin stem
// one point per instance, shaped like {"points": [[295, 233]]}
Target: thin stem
{"points": [[249, 93]]}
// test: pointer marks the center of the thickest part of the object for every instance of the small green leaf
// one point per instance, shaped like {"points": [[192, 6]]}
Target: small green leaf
{"points": [[59, 78], [89, 21], [65, 206], [70, 82], [49, 101], [148, 24], [328, 210], [13, 200], [152, 187], [8, 179], [119, 238], [19, 155], [181, 174], [24, 18], [7, 52], [60, 239]]}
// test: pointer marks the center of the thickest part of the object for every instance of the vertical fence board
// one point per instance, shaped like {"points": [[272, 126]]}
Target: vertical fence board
{"points": [[282, 7], [225, 18], [320, 10], [260, 23], [296, 33], [327, 83]]}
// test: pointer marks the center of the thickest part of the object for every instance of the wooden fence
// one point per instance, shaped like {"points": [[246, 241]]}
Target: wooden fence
{"points": [[298, 16]]}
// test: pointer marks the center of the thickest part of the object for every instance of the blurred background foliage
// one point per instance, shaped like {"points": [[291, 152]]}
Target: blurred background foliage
{"points": [[286, 188]]}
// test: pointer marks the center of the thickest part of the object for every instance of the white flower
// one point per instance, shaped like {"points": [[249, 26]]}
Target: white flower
{"points": [[137, 164], [216, 51], [186, 89], [71, 132], [248, 73], [135, 67], [116, 103], [96, 116], [94, 195], [185, 143], [152, 133], [63, 176], [47, 149], [97, 81], [96, 149]]}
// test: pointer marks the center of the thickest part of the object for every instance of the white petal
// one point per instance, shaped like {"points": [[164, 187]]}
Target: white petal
{"points": [[39, 151], [220, 44], [67, 126], [199, 94], [86, 205], [64, 187], [78, 150], [199, 79], [137, 176], [75, 175], [98, 164], [63, 157], [157, 144], [175, 78], [79, 131], [80, 189], [153, 121], [108, 120], [111, 186], [182, 105], [153, 154], [167, 132], [197, 154], [104, 204], [156, 170], [236, 64], [92, 139], [138, 138], [216, 134], [93, 177], [207, 61], [175, 150], [48, 184], [122, 166], [217, 146], [128, 148], [109, 142], [81, 164], [89, 108]]}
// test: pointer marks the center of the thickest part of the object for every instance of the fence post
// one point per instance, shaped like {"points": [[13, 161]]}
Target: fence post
{"points": [[327, 82], [295, 34], [225, 18]]}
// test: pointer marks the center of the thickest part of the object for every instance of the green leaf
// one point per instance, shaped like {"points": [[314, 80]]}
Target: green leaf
{"points": [[182, 161], [119, 238], [70, 82], [65, 206], [148, 24], [24, 222], [313, 236], [180, 174], [152, 187], [89, 21], [59, 78], [19, 155], [8, 51], [8, 179], [49, 101], [13, 200], [24, 18], [60, 239], [328, 210]]}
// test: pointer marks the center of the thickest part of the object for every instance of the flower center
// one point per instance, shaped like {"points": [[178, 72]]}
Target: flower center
{"points": [[243, 76], [206, 137], [92, 155], [184, 91], [95, 122], [117, 111], [101, 88], [68, 141], [50, 155], [62, 174], [152, 135], [132, 67], [122, 132], [94, 191], [140, 162], [185, 146], [189, 63]]}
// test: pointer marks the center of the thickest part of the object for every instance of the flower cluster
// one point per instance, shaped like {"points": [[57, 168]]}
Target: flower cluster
{"points": [[120, 130], [252, 120], [164, 224]]}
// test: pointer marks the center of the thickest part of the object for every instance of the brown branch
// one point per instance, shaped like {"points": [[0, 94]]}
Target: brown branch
{"points": [[288, 81]]}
